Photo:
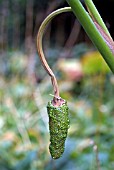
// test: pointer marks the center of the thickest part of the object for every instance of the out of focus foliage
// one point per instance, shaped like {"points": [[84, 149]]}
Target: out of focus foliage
{"points": [[24, 134]]}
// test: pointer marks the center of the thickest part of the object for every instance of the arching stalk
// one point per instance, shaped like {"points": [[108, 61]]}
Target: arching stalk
{"points": [[57, 100]]}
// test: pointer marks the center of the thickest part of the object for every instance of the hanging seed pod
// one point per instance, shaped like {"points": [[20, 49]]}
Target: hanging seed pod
{"points": [[57, 108], [58, 126]]}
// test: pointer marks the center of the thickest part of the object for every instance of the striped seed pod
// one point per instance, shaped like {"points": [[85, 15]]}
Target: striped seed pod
{"points": [[58, 126]]}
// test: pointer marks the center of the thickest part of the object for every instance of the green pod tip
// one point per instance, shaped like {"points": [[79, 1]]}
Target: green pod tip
{"points": [[58, 127]]}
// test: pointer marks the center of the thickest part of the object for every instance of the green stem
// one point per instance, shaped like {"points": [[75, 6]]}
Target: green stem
{"points": [[40, 48], [94, 12], [92, 32]]}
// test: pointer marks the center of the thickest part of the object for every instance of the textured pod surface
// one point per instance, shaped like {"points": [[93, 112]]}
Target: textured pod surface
{"points": [[58, 126]]}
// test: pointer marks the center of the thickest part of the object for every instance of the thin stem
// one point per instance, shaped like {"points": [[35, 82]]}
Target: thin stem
{"points": [[93, 32], [95, 148], [40, 49]]}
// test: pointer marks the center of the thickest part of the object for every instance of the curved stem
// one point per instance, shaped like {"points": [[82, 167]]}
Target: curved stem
{"points": [[40, 48]]}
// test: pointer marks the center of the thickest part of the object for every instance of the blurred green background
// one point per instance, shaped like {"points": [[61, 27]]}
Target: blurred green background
{"points": [[85, 81]]}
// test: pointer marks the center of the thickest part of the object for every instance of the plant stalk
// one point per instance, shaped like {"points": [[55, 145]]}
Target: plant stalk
{"points": [[92, 32], [95, 14], [41, 53]]}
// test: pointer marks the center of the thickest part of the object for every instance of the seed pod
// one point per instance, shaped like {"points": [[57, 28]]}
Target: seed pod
{"points": [[58, 126]]}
